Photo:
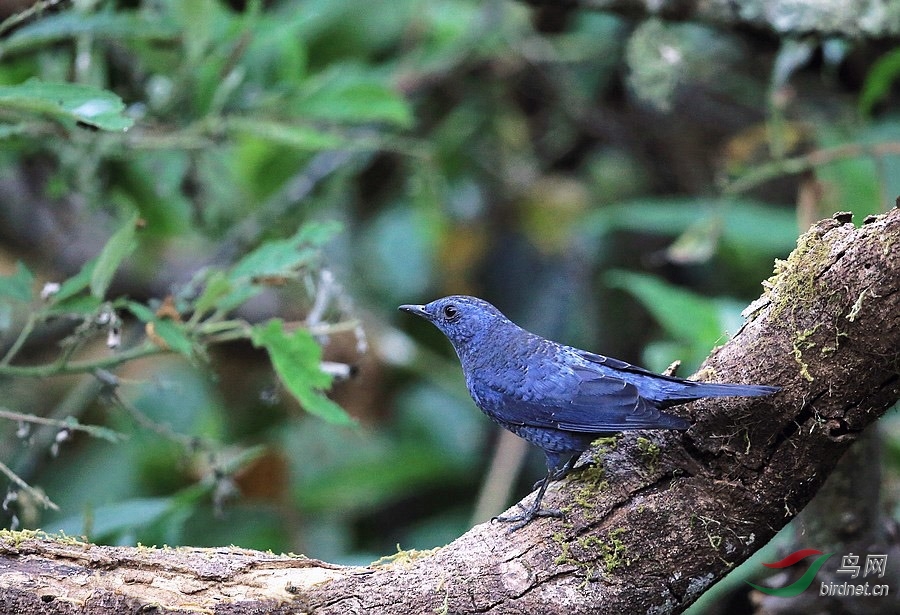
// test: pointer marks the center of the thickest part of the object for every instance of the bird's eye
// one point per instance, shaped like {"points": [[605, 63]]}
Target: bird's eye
{"points": [[450, 312]]}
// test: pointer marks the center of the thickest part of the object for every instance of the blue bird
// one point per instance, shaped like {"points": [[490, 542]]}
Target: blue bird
{"points": [[557, 397]]}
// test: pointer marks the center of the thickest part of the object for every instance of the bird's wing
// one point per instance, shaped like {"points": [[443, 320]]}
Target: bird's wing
{"points": [[617, 364], [606, 403], [578, 399], [666, 391]]}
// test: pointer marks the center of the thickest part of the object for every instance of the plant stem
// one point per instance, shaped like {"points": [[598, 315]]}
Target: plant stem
{"points": [[20, 340], [38, 495], [80, 367]]}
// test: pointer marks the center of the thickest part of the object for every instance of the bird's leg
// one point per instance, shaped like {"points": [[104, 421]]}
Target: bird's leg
{"points": [[558, 473], [535, 510], [555, 471]]}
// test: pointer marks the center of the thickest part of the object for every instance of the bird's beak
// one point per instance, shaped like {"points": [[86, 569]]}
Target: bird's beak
{"points": [[418, 310]]}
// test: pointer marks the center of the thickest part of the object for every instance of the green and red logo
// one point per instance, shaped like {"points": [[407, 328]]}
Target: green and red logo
{"points": [[801, 584]]}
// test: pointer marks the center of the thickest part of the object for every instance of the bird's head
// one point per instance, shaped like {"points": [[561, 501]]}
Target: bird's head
{"points": [[460, 317]]}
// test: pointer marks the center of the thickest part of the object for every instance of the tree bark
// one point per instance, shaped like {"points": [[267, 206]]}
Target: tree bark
{"points": [[652, 524]]}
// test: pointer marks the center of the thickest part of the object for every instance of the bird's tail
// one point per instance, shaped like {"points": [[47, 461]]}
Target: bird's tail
{"points": [[690, 390]]}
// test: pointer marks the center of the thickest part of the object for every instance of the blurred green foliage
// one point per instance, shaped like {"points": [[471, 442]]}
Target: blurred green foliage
{"points": [[242, 186]]}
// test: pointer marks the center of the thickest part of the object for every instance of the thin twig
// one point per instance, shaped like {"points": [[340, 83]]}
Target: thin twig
{"points": [[188, 442], [81, 367], [20, 339], [17, 19], [38, 495], [807, 162], [70, 423]]}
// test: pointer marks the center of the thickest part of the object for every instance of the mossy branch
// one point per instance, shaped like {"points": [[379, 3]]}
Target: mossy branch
{"points": [[661, 518]]}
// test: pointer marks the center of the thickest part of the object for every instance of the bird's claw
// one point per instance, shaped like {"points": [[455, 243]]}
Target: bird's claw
{"points": [[521, 520]]}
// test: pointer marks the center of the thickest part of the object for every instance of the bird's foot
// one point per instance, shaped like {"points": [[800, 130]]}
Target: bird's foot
{"points": [[525, 517]]}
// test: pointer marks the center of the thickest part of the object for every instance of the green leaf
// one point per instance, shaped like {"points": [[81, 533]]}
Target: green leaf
{"points": [[747, 225], [173, 334], [759, 229], [353, 96], [306, 138], [67, 102], [217, 288], [692, 322], [879, 82], [18, 286], [76, 283], [114, 252], [169, 331], [82, 305], [317, 234], [127, 25], [296, 358], [684, 315], [284, 257], [273, 258], [143, 313], [863, 181], [69, 299]]}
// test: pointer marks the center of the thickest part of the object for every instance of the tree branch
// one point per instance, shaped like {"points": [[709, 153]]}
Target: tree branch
{"points": [[656, 521], [794, 17]]}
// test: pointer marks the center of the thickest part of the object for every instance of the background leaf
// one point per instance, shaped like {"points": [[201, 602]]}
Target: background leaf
{"points": [[284, 257], [879, 81], [53, 28], [67, 102], [695, 322], [120, 245], [173, 334], [297, 358], [352, 95], [170, 332], [18, 286], [683, 315]]}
